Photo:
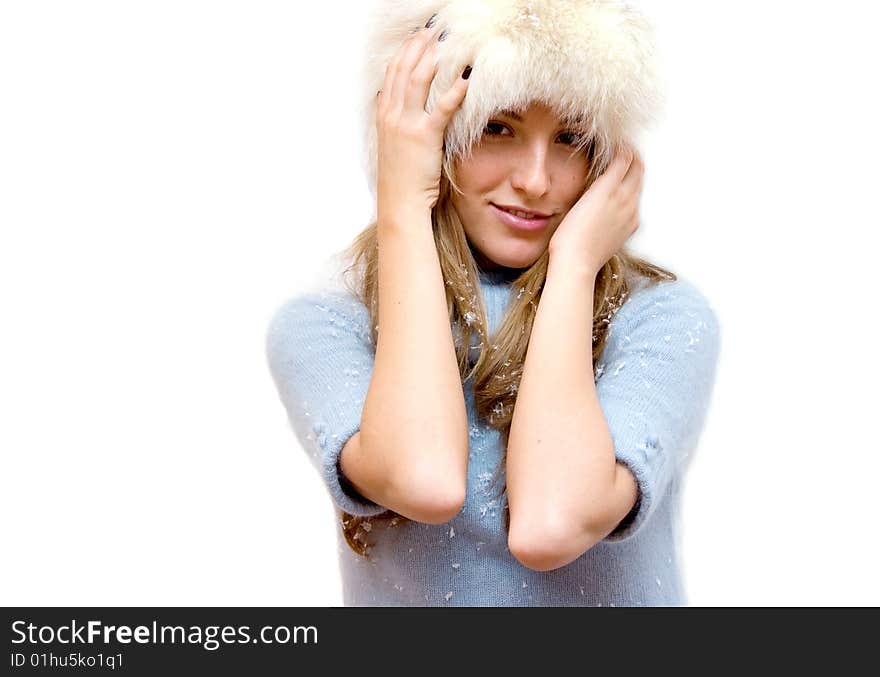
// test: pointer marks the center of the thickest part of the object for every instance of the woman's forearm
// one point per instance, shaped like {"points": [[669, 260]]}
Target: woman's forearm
{"points": [[564, 487], [414, 421]]}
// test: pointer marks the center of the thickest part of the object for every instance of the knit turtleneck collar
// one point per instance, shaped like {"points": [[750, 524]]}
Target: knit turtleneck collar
{"points": [[500, 275]]}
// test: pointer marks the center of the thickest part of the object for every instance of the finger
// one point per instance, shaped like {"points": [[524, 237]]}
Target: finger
{"points": [[451, 100], [422, 76], [388, 82], [392, 68], [632, 180], [616, 169], [410, 56]]}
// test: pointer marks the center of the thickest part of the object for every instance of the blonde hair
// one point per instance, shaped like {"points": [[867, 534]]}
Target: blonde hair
{"points": [[496, 373]]}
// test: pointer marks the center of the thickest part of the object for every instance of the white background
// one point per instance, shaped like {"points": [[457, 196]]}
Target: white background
{"points": [[170, 172]]}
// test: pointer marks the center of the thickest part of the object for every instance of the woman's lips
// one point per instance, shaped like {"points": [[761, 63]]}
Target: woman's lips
{"points": [[519, 223]]}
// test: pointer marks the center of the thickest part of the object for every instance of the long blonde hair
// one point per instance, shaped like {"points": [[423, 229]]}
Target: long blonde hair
{"points": [[496, 373]]}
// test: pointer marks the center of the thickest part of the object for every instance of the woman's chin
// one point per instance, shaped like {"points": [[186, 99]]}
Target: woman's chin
{"points": [[511, 259], [507, 254]]}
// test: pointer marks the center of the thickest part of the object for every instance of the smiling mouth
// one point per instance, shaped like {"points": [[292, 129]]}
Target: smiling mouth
{"points": [[522, 213], [533, 224]]}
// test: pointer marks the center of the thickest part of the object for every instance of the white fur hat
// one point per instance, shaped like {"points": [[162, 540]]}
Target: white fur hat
{"points": [[591, 61]]}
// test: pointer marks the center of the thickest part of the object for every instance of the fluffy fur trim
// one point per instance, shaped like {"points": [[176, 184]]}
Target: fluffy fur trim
{"points": [[593, 62]]}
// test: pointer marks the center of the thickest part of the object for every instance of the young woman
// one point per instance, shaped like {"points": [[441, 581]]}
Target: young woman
{"points": [[503, 401]]}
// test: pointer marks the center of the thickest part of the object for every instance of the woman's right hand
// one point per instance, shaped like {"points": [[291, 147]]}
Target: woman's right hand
{"points": [[410, 140]]}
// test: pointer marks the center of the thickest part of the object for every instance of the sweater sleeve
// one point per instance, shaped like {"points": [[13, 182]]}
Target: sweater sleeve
{"points": [[655, 379], [321, 359]]}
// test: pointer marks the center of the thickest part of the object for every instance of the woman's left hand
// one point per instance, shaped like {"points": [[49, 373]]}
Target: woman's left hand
{"points": [[603, 218]]}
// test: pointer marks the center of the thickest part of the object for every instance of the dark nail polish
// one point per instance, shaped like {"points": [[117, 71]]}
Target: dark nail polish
{"points": [[430, 21], [443, 35], [467, 73]]}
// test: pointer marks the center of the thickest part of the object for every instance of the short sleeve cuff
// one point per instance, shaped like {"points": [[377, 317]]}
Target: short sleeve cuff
{"points": [[344, 495], [644, 456]]}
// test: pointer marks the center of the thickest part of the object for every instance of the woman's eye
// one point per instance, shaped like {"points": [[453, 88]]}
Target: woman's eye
{"points": [[492, 127], [573, 138]]}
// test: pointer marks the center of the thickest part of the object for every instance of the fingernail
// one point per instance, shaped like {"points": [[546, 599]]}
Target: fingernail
{"points": [[443, 35], [466, 73], [430, 21]]}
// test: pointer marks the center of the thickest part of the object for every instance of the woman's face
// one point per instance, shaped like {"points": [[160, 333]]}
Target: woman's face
{"points": [[521, 161]]}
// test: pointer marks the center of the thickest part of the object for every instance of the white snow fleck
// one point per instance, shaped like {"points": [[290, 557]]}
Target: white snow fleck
{"points": [[619, 367], [489, 508], [455, 565], [525, 585], [484, 478], [448, 595], [582, 591], [659, 584], [451, 532]]}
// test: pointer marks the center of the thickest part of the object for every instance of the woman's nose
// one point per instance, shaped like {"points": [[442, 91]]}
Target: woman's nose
{"points": [[532, 173]]}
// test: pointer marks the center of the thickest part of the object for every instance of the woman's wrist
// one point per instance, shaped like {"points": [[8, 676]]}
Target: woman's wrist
{"points": [[404, 219], [569, 266]]}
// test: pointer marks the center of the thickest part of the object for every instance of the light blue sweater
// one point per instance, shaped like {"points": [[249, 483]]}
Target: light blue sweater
{"points": [[654, 384]]}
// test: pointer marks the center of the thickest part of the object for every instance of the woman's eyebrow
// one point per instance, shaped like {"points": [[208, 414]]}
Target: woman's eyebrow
{"points": [[510, 114], [579, 124]]}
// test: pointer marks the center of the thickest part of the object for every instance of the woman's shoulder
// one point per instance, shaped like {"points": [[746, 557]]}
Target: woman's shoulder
{"points": [[666, 304], [678, 292], [330, 308], [327, 300]]}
